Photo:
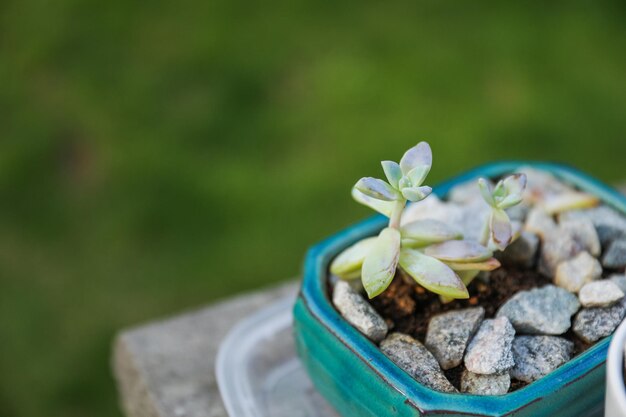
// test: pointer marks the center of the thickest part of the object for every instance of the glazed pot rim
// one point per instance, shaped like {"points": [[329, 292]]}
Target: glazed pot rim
{"points": [[315, 298]]}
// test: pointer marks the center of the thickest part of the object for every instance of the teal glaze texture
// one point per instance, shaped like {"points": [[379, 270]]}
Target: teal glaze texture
{"points": [[359, 381]]}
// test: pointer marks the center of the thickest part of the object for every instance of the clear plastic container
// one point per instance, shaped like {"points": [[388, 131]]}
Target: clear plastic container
{"points": [[259, 373]]}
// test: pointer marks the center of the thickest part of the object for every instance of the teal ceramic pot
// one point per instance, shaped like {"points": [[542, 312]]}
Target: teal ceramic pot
{"points": [[359, 380]]}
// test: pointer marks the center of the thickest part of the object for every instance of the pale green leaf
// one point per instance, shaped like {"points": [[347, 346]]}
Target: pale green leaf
{"points": [[375, 188], [432, 274], [500, 226], [498, 190], [486, 191], [405, 182], [468, 276], [509, 201], [418, 175], [349, 276], [347, 264], [459, 251], [515, 184], [383, 207], [379, 266], [392, 172], [487, 265], [429, 231], [413, 243], [419, 155], [416, 193], [509, 191]]}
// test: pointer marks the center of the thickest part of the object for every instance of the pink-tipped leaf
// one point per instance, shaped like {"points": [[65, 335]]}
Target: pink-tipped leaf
{"points": [[501, 230]]}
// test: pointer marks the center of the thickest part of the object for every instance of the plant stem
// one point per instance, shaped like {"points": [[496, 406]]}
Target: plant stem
{"points": [[485, 233], [396, 214]]}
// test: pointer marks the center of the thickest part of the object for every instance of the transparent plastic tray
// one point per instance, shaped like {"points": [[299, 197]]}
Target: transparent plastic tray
{"points": [[259, 373]]}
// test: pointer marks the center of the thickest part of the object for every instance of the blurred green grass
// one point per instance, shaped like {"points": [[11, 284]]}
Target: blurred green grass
{"points": [[158, 156]]}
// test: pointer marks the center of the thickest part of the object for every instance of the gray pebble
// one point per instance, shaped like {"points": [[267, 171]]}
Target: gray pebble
{"points": [[477, 384], [577, 224], [413, 357], [592, 324], [615, 255], [545, 310], [537, 356], [609, 223], [602, 293], [474, 215], [489, 352], [578, 271], [358, 312], [522, 252], [557, 247], [620, 280], [540, 184], [540, 223], [464, 192], [449, 333]]}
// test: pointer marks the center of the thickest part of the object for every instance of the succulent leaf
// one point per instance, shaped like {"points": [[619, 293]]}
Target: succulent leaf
{"points": [[487, 265], [379, 266], [509, 201], [515, 184], [414, 243], [404, 182], [419, 155], [498, 191], [375, 188], [349, 276], [383, 207], [347, 264], [418, 174], [486, 190], [459, 251], [429, 231], [501, 231], [416, 193], [392, 172], [432, 274], [468, 276]]}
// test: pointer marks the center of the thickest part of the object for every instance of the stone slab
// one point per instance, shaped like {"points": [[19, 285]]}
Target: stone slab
{"points": [[167, 368]]}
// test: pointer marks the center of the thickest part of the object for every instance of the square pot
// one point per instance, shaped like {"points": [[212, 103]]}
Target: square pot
{"points": [[354, 375]]}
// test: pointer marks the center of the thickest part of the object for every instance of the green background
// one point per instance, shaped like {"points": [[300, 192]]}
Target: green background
{"points": [[156, 156]]}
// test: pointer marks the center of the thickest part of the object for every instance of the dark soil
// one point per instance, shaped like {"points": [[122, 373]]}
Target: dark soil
{"points": [[407, 307]]}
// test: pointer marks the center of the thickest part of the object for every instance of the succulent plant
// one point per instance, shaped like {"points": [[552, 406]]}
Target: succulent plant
{"points": [[433, 253], [375, 259], [404, 184], [498, 232]]}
